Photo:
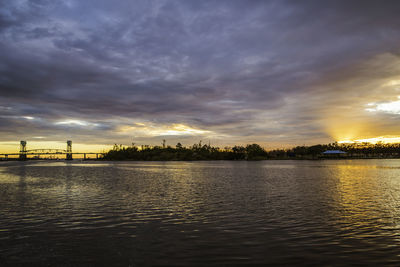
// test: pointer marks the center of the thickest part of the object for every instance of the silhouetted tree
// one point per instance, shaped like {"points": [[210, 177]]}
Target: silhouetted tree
{"points": [[250, 152]]}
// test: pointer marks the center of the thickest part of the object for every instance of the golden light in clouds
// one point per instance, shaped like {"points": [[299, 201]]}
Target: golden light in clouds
{"points": [[76, 122], [392, 83], [137, 129], [363, 104], [374, 140], [13, 147], [142, 129], [342, 126]]}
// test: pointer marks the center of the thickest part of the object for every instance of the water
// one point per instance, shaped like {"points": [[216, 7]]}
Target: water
{"points": [[200, 213]]}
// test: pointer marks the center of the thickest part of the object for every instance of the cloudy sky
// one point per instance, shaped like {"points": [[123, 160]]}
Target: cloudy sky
{"points": [[278, 73]]}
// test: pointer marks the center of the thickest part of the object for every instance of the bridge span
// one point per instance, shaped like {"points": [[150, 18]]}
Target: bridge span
{"points": [[36, 153]]}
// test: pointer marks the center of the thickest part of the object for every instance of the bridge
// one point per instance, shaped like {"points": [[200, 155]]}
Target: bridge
{"points": [[36, 153]]}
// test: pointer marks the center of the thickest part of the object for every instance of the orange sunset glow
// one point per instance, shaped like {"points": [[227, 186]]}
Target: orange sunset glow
{"points": [[199, 133]]}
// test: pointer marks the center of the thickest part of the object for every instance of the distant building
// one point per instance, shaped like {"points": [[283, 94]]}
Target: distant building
{"points": [[334, 154]]}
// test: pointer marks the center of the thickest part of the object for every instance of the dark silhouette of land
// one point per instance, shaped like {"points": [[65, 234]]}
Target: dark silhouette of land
{"points": [[250, 152], [179, 152]]}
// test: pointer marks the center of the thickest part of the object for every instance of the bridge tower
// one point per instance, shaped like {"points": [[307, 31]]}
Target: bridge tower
{"points": [[22, 150], [69, 150]]}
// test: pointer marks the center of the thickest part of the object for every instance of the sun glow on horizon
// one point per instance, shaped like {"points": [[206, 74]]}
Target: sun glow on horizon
{"points": [[374, 140]]}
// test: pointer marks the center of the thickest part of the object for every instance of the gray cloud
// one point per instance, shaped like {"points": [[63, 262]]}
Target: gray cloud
{"points": [[268, 71]]}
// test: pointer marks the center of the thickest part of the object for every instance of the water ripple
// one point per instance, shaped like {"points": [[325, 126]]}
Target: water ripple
{"points": [[200, 213]]}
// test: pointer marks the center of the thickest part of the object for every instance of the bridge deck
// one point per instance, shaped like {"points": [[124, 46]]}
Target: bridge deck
{"points": [[52, 153]]}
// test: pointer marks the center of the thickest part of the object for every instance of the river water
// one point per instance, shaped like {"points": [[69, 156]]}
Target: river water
{"points": [[332, 212]]}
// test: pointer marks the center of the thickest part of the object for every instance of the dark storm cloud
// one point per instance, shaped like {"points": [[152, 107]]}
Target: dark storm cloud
{"points": [[259, 69]]}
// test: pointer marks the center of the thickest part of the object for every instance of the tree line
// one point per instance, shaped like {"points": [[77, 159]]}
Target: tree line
{"points": [[179, 152], [249, 152], [353, 150]]}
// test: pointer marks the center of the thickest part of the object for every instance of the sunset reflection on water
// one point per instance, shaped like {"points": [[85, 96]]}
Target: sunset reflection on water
{"points": [[320, 212]]}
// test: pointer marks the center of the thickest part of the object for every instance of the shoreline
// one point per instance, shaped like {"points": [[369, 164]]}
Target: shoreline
{"points": [[177, 160]]}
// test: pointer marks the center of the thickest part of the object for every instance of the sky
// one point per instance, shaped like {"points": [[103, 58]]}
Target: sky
{"points": [[278, 73]]}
